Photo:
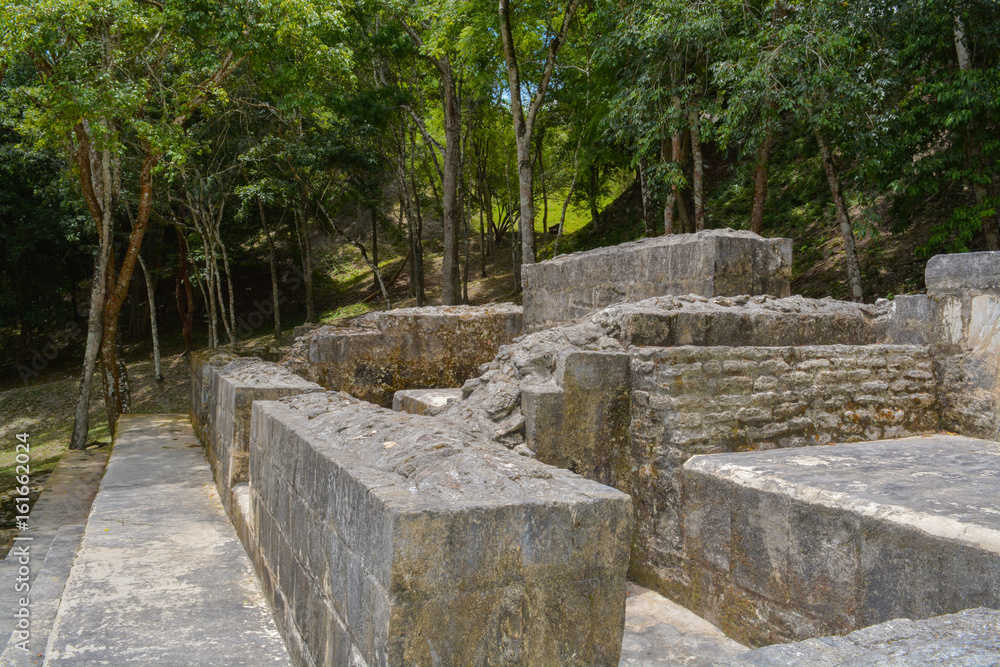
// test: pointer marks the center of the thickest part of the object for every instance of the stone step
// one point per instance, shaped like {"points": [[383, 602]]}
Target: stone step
{"points": [[160, 577], [28, 647], [65, 501], [969, 638], [827, 540], [662, 633]]}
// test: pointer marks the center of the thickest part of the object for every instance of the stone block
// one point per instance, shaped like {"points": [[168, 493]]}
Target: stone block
{"points": [[424, 401], [963, 274], [231, 390], [434, 546], [409, 348], [580, 420], [845, 536], [204, 363], [913, 320], [746, 321], [710, 263]]}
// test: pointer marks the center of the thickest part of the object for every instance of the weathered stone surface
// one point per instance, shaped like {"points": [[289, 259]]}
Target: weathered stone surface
{"points": [[661, 633], [913, 320], [704, 400], [424, 401], [830, 539], [580, 420], [970, 638], [203, 363], [745, 321], [710, 263], [395, 539], [231, 390], [963, 274], [408, 348]]}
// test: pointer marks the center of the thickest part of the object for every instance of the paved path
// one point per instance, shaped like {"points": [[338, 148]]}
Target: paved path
{"points": [[160, 577]]}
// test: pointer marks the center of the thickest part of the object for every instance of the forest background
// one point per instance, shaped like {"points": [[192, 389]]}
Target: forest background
{"points": [[177, 174]]}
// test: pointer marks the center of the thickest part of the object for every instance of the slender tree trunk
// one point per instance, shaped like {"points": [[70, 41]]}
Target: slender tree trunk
{"points": [[374, 245], [305, 242], [569, 196], [451, 285], [668, 207], [595, 179], [760, 183], [697, 186], [151, 295], [273, 263], [524, 123], [185, 295], [418, 248], [95, 318], [991, 231], [647, 199], [541, 178], [846, 231], [482, 227]]}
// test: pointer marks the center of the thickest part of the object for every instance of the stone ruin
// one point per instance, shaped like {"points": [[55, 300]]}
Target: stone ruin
{"points": [[671, 416]]}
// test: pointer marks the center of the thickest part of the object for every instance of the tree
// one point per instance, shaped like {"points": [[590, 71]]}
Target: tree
{"points": [[524, 120], [118, 82]]}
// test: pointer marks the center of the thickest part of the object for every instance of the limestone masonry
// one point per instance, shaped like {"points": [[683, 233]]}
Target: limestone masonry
{"points": [[665, 410]]}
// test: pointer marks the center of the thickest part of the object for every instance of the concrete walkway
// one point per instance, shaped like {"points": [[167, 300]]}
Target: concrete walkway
{"points": [[160, 577]]}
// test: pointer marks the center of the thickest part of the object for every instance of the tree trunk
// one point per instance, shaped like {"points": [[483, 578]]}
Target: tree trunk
{"points": [[541, 178], [95, 319], [846, 231], [760, 183], [451, 285], [305, 242], [374, 245], [273, 263], [595, 179], [991, 231], [183, 289], [117, 396], [151, 295], [697, 186], [647, 199], [418, 250], [668, 207]]}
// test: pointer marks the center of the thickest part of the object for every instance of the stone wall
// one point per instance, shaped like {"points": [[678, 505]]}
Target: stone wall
{"points": [[690, 400], [393, 539], [229, 386], [409, 348], [710, 263]]}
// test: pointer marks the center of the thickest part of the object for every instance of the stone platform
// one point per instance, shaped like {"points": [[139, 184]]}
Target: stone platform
{"points": [[826, 540], [717, 262]]}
